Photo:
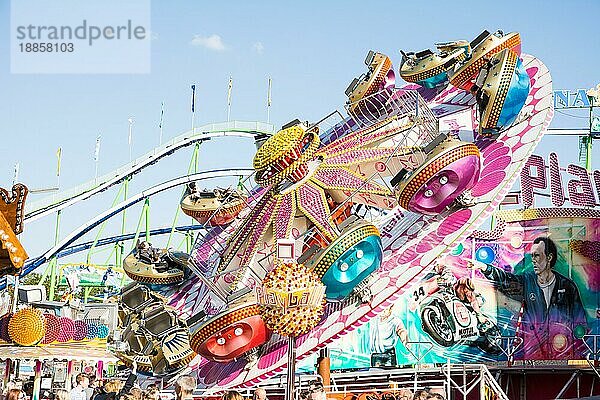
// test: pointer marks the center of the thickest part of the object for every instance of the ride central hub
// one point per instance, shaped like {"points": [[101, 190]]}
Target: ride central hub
{"points": [[285, 155]]}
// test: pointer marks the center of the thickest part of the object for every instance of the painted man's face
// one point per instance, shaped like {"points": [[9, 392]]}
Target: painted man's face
{"points": [[541, 263]]}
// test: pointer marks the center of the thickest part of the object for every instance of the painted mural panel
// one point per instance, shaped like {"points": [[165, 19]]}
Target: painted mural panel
{"points": [[527, 292]]}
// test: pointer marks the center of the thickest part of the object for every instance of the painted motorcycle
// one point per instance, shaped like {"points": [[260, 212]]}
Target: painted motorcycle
{"points": [[450, 321]]}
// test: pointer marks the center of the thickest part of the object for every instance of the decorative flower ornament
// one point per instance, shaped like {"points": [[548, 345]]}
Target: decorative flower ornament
{"points": [[291, 299]]}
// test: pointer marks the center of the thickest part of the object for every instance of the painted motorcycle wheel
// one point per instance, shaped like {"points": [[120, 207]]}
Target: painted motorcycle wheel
{"points": [[435, 325]]}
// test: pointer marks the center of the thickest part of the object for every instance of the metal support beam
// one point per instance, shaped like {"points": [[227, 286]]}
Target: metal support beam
{"points": [[192, 168], [53, 260], [566, 386]]}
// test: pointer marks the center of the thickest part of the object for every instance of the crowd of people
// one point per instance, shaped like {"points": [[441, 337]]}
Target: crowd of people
{"points": [[88, 388]]}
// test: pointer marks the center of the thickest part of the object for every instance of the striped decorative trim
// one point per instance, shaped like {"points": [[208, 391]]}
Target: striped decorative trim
{"points": [[529, 214], [155, 280]]}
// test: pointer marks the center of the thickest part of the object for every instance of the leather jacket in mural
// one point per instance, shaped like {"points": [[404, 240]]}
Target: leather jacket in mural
{"points": [[565, 303]]}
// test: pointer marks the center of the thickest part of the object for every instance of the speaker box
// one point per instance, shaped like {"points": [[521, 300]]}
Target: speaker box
{"points": [[32, 293]]}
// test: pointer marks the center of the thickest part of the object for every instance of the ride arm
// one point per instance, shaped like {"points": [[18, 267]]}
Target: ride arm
{"points": [[512, 285]]}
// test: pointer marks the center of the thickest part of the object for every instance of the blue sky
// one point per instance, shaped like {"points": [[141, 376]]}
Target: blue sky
{"points": [[310, 49]]}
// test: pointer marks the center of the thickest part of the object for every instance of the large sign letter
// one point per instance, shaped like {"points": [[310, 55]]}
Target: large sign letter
{"points": [[580, 191], [556, 187], [531, 180]]}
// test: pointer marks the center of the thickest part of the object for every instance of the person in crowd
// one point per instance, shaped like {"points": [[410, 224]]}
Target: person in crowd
{"points": [[115, 389], [404, 394], [317, 390], [435, 396], [260, 394], [92, 388], [15, 394], [421, 394], [232, 395], [184, 387], [304, 394], [136, 393], [62, 394], [9, 386], [28, 388], [79, 392], [388, 396], [151, 393]]}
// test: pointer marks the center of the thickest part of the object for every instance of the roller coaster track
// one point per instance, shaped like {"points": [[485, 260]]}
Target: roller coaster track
{"points": [[33, 263], [77, 248], [253, 130]]}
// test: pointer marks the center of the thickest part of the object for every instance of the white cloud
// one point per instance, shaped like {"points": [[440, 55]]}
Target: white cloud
{"points": [[258, 47], [212, 42]]}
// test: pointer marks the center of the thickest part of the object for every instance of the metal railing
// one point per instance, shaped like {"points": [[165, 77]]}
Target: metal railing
{"points": [[455, 381]]}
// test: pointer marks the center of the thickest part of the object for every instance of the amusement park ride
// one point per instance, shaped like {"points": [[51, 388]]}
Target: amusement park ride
{"points": [[366, 203]]}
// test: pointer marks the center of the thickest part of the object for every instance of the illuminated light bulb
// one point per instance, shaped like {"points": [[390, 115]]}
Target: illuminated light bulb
{"points": [[559, 342], [516, 241], [359, 254]]}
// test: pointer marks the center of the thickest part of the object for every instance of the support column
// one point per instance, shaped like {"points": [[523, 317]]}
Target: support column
{"points": [[324, 367], [54, 260], [7, 369], [99, 370], [37, 380], [291, 370], [69, 375], [147, 210]]}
